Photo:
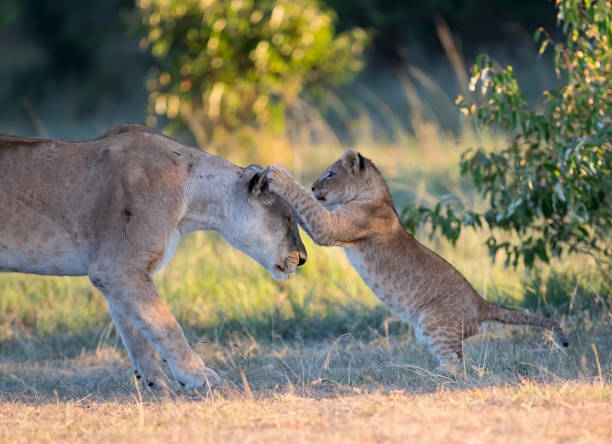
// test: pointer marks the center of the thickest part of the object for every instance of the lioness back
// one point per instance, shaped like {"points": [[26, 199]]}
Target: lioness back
{"points": [[53, 194]]}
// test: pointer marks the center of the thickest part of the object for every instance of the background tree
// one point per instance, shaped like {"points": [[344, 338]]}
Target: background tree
{"points": [[224, 65], [77, 56], [552, 186]]}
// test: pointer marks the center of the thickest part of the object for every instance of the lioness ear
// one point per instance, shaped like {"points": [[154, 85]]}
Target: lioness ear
{"points": [[352, 160], [254, 167], [258, 183]]}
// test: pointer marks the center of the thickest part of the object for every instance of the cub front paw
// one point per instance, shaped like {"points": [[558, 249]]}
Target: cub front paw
{"points": [[276, 176]]}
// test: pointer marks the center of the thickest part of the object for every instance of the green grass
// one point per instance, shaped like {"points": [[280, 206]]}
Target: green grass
{"points": [[217, 292]]}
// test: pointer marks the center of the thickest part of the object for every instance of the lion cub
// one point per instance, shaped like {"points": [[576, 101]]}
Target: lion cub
{"points": [[415, 283]]}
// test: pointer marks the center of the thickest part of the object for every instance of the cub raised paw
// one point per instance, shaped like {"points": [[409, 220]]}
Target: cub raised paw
{"points": [[279, 179]]}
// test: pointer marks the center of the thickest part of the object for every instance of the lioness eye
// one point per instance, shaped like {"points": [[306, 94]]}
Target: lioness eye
{"points": [[330, 174]]}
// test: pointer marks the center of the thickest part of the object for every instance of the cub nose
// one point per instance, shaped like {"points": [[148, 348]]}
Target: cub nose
{"points": [[302, 259], [312, 187]]}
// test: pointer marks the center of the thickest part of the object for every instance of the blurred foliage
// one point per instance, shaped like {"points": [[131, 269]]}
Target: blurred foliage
{"points": [[48, 43], [552, 185], [72, 61], [567, 291], [10, 12], [405, 22], [224, 65]]}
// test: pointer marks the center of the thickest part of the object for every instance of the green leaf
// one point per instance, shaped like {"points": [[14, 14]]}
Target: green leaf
{"points": [[536, 35], [559, 190]]}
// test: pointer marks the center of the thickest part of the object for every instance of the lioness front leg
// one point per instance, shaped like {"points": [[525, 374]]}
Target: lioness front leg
{"points": [[142, 352], [134, 296]]}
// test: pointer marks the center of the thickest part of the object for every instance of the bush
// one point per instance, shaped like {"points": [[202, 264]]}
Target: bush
{"points": [[226, 64], [567, 292], [551, 186]]}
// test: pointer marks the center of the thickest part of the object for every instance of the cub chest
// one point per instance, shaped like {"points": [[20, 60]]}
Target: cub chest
{"points": [[365, 270]]}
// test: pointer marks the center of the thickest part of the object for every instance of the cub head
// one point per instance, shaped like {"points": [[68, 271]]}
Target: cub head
{"points": [[264, 226], [344, 180]]}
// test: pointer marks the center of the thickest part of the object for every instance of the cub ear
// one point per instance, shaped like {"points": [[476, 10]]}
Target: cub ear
{"points": [[352, 161], [258, 183]]}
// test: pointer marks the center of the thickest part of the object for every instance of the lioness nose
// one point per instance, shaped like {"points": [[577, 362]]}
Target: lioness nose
{"points": [[303, 258], [312, 187]]}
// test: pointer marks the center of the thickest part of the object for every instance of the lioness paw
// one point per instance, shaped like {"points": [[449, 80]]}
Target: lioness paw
{"points": [[192, 373], [208, 378]]}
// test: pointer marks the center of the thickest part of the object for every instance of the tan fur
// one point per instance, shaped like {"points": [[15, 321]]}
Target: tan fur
{"points": [[415, 283], [115, 209]]}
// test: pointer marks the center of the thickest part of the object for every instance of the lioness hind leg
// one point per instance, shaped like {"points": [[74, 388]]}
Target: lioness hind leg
{"points": [[141, 352], [134, 296]]}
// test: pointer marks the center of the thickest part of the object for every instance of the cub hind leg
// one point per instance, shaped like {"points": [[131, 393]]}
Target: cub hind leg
{"points": [[445, 330], [446, 343], [450, 353]]}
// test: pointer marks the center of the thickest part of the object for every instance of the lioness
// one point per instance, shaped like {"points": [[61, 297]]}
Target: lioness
{"points": [[115, 209], [415, 283]]}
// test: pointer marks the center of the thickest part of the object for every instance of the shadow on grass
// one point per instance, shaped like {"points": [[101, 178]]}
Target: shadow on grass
{"points": [[353, 349], [95, 369], [80, 363], [361, 322]]}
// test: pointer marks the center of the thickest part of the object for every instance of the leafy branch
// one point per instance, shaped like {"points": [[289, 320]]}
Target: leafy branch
{"points": [[552, 186]]}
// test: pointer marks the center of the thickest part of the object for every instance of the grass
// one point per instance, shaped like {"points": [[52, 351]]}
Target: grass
{"points": [[316, 357], [527, 413], [345, 390]]}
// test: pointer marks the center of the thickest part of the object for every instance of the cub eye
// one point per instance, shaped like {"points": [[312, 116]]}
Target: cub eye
{"points": [[330, 174]]}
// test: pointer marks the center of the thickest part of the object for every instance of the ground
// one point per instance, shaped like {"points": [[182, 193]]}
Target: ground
{"points": [[315, 358], [514, 388], [525, 413]]}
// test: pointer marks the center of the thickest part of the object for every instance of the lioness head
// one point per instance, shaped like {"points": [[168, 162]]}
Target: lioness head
{"points": [[351, 176], [266, 228]]}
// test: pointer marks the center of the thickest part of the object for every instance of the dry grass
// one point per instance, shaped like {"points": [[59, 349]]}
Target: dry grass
{"points": [[526, 413], [343, 390]]}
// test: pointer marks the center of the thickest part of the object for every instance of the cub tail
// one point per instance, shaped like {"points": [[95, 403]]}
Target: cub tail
{"points": [[519, 318]]}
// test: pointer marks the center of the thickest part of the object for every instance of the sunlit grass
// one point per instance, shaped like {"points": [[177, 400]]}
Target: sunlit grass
{"points": [[214, 290], [570, 412]]}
